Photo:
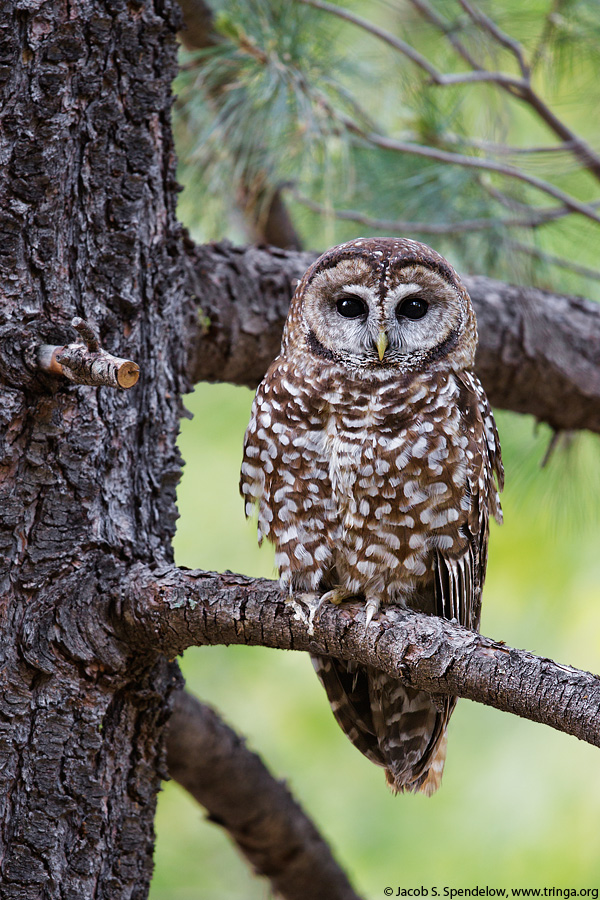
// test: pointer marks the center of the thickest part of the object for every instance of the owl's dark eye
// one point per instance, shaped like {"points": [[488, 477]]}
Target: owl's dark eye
{"points": [[412, 308], [351, 307]]}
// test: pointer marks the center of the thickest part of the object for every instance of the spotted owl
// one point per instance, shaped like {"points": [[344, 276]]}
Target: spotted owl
{"points": [[373, 462]]}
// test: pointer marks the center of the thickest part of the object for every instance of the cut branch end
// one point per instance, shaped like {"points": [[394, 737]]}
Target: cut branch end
{"points": [[88, 363]]}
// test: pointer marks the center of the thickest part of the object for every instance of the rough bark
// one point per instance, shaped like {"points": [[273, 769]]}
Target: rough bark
{"points": [[213, 763], [539, 352], [171, 609], [87, 475]]}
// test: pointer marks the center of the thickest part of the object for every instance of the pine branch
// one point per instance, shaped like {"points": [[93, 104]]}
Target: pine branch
{"points": [[539, 352], [398, 226], [447, 29], [396, 43], [169, 609], [280, 842], [474, 162], [504, 150], [263, 206], [520, 88], [500, 36]]}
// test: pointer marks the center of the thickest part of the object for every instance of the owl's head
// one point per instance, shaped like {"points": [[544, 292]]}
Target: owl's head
{"points": [[378, 304]]}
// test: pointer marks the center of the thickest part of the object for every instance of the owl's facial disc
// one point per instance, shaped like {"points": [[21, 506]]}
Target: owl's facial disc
{"points": [[365, 316]]}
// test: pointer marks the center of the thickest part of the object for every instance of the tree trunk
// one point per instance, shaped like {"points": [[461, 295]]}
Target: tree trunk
{"points": [[87, 475]]}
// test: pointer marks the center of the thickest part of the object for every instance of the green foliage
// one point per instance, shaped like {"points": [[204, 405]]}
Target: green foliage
{"points": [[266, 86], [284, 97]]}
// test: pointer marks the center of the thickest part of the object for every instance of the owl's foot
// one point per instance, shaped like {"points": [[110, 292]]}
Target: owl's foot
{"points": [[336, 596], [371, 609], [314, 603]]}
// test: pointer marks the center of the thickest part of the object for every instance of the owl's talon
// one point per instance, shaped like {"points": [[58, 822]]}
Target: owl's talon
{"points": [[371, 609], [335, 596]]}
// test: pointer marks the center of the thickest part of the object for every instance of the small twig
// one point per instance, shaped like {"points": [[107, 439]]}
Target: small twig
{"points": [[214, 764], [552, 445], [433, 228], [504, 39], [87, 363], [87, 333], [552, 260], [505, 81], [493, 147], [448, 30]]}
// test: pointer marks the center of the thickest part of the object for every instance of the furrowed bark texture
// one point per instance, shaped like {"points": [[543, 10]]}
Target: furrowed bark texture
{"points": [[213, 763], [87, 475], [539, 352], [172, 609]]}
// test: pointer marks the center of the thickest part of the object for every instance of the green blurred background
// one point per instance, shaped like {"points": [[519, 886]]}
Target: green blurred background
{"points": [[520, 803]]}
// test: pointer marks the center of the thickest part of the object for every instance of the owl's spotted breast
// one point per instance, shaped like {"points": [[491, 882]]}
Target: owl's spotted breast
{"points": [[376, 486]]}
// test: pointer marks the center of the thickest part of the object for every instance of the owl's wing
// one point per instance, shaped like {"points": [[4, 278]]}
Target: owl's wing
{"points": [[460, 572], [260, 457], [285, 480]]}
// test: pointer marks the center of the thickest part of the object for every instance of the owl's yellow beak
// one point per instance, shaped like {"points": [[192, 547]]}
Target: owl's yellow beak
{"points": [[381, 344]]}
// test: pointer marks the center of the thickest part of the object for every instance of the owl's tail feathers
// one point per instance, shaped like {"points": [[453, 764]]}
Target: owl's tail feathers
{"points": [[396, 727], [433, 778], [411, 730], [347, 688]]}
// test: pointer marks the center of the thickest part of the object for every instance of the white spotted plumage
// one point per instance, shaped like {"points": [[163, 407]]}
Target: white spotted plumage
{"points": [[371, 461]]}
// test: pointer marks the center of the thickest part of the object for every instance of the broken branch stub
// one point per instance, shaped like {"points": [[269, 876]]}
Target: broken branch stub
{"points": [[87, 363]]}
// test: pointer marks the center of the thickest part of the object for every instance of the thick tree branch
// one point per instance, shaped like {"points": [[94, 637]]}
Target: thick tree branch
{"points": [[539, 352], [213, 763], [170, 609]]}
